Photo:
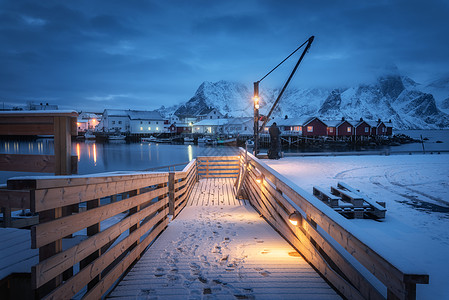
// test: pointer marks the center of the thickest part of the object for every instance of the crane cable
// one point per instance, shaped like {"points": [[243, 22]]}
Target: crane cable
{"points": [[284, 60]]}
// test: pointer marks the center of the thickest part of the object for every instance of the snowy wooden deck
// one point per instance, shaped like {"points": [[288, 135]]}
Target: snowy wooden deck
{"points": [[220, 248]]}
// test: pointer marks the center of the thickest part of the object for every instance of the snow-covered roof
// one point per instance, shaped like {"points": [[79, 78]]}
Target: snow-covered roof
{"points": [[134, 114], [115, 113], [332, 123], [290, 121], [212, 122], [238, 121], [144, 115]]}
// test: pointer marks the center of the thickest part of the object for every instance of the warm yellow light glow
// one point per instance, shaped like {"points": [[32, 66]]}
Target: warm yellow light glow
{"points": [[259, 179], [78, 151], [157, 128], [256, 102], [149, 128], [295, 218], [95, 154], [141, 128], [190, 152]]}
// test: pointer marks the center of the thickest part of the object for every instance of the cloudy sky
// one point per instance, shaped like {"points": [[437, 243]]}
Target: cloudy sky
{"points": [[137, 54]]}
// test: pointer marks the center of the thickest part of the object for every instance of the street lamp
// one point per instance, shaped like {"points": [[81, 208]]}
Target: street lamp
{"points": [[256, 117]]}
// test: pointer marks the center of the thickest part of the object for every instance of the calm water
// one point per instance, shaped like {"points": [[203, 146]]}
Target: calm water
{"points": [[119, 156], [114, 156]]}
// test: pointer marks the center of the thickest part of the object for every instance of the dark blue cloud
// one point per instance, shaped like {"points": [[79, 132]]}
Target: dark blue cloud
{"points": [[140, 54]]}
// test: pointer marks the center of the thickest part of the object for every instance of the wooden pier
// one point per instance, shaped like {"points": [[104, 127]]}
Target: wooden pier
{"points": [[192, 212]]}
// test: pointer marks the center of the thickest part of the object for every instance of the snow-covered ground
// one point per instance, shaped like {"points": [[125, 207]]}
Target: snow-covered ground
{"points": [[415, 233]]}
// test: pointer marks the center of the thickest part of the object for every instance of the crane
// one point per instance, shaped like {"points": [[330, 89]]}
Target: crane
{"points": [[258, 129]]}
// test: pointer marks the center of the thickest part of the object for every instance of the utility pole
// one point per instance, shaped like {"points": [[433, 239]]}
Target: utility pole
{"points": [[256, 117]]}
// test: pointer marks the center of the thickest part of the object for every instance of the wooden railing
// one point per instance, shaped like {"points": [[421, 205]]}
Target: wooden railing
{"points": [[218, 166], [317, 236], [61, 125], [139, 202]]}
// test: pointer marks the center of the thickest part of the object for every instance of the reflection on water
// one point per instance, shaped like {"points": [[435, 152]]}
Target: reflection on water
{"points": [[105, 157], [120, 156]]}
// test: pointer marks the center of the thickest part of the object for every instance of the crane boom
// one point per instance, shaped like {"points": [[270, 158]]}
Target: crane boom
{"points": [[309, 43]]}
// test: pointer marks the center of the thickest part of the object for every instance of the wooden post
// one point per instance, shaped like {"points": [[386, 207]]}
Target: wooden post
{"points": [[171, 194], [7, 219]]}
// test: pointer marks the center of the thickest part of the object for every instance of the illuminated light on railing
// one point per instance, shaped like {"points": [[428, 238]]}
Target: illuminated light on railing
{"points": [[295, 218], [259, 179]]}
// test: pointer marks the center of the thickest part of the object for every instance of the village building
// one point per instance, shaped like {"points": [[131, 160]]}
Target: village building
{"points": [[288, 126], [209, 113], [362, 128], [314, 127], [244, 125], [132, 122], [180, 128], [210, 126], [87, 121], [377, 127]]}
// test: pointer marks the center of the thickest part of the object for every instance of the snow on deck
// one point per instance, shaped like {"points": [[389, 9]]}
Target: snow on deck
{"points": [[221, 252], [414, 234], [215, 191]]}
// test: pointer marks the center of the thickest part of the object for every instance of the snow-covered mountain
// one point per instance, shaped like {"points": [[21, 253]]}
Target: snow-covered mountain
{"points": [[393, 97]]}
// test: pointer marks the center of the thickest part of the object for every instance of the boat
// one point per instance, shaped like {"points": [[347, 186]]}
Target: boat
{"points": [[228, 141], [117, 137], [148, 139], [189, 140], [89, 135]]}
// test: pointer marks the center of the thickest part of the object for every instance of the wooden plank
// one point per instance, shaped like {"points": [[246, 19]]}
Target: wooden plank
{"points": [[15, 198], [57, 197], [171, 193], [82, 180], [77, 282], [27, 163], [55, 265], [26, 129], [45, 233], [216, 158], [102, 287]]}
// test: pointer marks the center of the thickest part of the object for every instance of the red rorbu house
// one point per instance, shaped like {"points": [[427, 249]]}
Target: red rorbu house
{"points": [[362, 128], [378, 128], [180, 128], [314, 127], [339, 128]]}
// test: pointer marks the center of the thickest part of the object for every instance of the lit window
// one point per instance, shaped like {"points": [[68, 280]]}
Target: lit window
{"points": [[157, 128], [348, 129], [331, 129], [309, 128], [141, 128], [149, 128], [366, 129]]}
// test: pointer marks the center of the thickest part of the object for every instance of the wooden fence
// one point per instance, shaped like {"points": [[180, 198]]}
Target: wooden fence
{"points": [[136, 205], [218, 166], [276, 200]]}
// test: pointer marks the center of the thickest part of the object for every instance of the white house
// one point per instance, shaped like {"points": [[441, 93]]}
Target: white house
{"points": [[209, 113], [132, 121], [239, 126], [224, 126], [146, 122], [210, 126], [292, 126]]}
